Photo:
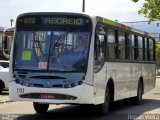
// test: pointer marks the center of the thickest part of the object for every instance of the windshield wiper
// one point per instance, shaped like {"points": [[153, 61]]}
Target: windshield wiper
{"points": [[38, 45], [61, 38]]}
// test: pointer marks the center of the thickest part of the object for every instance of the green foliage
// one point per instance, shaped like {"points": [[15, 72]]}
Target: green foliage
{"points": [[158, 55], [151, 10]]}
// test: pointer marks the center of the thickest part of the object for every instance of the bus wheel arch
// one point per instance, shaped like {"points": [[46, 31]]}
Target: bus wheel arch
{"points": [[2, 86]]}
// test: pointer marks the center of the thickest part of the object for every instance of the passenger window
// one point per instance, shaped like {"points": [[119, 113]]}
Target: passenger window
{"points": [[122, 46], [136, 48], [145, 49], [130, 47], [111, 43], [140, 48], [150, 49]]}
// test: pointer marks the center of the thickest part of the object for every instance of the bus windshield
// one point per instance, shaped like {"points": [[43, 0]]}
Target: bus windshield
{"points": [[52, 50]]}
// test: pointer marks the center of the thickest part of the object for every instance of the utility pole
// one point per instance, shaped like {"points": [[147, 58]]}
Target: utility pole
{"points": [[83, 6]]}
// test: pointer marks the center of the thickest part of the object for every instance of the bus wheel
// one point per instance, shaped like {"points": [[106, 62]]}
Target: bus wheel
{"points": [[102, 109], [40, 108], [138, 99]]}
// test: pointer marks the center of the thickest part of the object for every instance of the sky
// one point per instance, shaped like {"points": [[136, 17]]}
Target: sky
{"points": [[121, 10]]}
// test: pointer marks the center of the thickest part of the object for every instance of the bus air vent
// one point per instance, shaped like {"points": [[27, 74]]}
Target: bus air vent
{"points": [[22, 76], [57, 86], [22, 72], [38, 85]]}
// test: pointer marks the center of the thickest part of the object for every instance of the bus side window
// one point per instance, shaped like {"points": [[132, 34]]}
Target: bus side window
{"points": [[5, 43], [99, 49], [112, 46], [136, 51], [154, 51], [151, 49], [148, 52], [145, 49], [130, 47], [121, 41], [140, 48]]}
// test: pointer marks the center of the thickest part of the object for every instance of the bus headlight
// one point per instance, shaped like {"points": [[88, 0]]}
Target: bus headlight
{"points": [[80, 82], [67, 85]]}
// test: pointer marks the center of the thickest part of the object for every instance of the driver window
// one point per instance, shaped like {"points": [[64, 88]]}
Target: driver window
{"points": [[99, 47]]}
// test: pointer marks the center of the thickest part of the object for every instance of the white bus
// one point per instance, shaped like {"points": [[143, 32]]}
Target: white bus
{"points": [[74, 58], [7, 41]]}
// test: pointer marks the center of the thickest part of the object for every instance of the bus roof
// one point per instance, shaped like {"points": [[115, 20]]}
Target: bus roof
{"points": [[51, 13], [98, 18]]}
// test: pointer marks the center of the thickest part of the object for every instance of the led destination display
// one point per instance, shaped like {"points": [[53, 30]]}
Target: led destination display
{"points": [[50, 21], [62, 21]]}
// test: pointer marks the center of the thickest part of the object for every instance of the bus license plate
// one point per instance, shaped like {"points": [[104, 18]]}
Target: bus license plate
{"points": [[47, 96]]}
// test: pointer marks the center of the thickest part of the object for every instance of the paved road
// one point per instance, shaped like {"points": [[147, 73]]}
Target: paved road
{"points": [[121, 110]]}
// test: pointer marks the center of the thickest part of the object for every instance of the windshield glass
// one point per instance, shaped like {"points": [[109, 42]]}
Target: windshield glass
{"points": [[52, 50]]}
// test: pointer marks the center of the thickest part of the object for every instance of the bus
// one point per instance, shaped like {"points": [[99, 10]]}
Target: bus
{"points": [[74, 58], [1, 36], [7, 41]]}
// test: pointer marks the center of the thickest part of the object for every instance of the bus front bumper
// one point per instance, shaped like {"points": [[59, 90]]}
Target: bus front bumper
{"points": [[82, 94]]}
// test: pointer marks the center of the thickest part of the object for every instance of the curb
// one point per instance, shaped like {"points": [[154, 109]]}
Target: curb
{"points": [[7, 101]]}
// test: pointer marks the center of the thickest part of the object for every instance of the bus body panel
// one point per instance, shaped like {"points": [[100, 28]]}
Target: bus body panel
{"points": [[125, 77], [152, 77], [100, 84], [90, 69]]}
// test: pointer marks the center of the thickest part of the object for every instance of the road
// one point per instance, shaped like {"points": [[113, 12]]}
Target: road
{"points": [[122, 110]]}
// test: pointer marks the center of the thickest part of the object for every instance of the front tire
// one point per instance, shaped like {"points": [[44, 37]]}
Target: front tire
{"points": [[102, 109], [40, 108]]}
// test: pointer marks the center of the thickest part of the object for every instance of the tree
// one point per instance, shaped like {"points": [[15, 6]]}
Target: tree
{"points": [[158, 55], [151, 10]]}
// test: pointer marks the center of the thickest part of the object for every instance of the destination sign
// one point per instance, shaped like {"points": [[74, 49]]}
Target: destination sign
{"points": [[28, 21], [62, 21]]}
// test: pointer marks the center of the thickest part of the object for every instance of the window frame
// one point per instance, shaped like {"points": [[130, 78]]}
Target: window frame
{"points": [[129, 48], [96, 69]]}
